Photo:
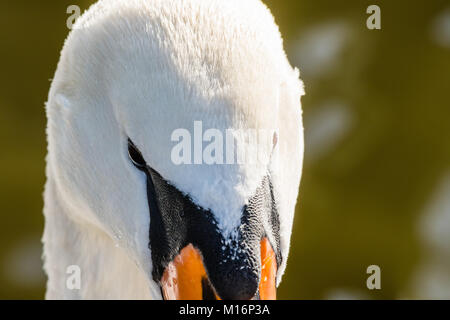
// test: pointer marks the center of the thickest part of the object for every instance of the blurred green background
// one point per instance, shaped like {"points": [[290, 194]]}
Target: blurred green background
{"points": [[376, 181]]}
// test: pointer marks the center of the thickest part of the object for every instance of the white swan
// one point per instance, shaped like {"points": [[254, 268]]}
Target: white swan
{"points": [[131, 73]]}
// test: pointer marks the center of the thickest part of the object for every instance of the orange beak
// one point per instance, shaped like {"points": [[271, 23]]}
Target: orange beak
{"points": [[185, 277]]}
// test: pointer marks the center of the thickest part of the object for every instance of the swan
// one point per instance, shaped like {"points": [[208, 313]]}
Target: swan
{"points": [[135, 223]]}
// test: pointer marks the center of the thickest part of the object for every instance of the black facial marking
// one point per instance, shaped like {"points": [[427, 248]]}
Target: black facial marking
{"points": [[232, 264], [207, 290]]}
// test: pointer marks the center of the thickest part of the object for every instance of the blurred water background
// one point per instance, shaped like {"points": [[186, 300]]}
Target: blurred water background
{"points": [[376, 182]]}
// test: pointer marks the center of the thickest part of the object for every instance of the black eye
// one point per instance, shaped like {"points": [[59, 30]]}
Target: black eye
{"points": [[136, 156]]}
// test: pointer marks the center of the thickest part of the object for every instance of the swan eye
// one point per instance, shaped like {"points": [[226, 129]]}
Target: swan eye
{"points": [[136, 156]]}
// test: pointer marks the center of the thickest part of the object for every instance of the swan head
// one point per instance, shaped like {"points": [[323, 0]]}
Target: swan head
{"points": [[146, 97]]}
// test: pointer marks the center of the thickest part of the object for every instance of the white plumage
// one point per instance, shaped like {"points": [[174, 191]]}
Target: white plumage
{"points": [[141, 69]]}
